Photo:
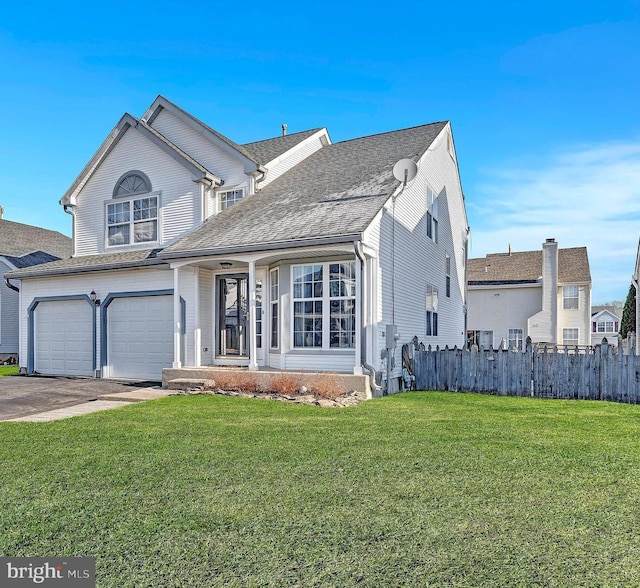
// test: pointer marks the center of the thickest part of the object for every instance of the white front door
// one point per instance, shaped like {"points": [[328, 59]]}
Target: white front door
{"points": [[63, 338], [140, 337]]}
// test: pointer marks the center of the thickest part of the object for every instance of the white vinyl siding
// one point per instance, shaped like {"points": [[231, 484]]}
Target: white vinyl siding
{"points": [[418, 258], [177, 193], [102, 283], [292, 157]]}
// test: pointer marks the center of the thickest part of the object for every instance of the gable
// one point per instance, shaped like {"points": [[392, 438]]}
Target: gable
{"points": [[193, 136]]}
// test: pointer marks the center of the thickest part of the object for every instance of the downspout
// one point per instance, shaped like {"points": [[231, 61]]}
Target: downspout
{"points": [[375, 389], [10, 285], [69, 210]]}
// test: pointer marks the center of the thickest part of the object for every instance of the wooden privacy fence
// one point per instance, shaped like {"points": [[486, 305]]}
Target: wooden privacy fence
{"points": [[599, 373]]}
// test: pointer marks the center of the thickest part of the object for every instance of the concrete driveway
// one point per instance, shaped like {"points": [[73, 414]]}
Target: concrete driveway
{"points": [[21, 396]]}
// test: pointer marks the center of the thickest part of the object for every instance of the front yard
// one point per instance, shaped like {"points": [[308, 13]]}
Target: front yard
{"points": [[418, 489]]}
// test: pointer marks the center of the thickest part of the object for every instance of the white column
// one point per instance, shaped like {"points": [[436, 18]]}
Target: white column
{"points": [[360, 310], [253, 349], [177, 319], [197, 333]]}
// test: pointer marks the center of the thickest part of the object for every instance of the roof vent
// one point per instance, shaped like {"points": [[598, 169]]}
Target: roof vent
{"points": [[284, 129], [551, 240]]}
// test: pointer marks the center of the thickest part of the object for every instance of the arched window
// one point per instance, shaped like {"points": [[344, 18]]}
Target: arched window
{"points": [[132, 215], [133, 182]]}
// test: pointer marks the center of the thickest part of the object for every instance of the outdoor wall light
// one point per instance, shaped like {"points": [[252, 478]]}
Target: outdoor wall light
{"points": [[94, 297], [225, 265]]}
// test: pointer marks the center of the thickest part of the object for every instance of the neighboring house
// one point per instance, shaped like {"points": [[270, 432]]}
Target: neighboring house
{"points": [[545, 295], [605, 323], [22, 246], [291, 253]]}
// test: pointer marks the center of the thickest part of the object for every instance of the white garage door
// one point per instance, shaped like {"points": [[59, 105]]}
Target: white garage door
{"points": [[63, 341], [140, 336]]}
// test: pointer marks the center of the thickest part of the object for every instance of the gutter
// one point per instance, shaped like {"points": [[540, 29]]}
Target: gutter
{"points": [[69, 210], [375, 389], [293, 243], [10, 285]]}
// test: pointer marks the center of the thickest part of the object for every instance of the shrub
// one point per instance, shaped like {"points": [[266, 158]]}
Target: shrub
{"points": [[326, 386], [286, 384]]}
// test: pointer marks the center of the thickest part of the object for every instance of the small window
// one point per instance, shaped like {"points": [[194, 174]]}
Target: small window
{"points": [[431, 311], [447, 271], [515, 339], [569, 336], [432, 214], [229, 197], [274, 287], [570, 297], [259, 314]]}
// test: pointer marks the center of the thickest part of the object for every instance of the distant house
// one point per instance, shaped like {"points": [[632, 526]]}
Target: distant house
{"points": [[545, 295], [22, 246], [605, 323], [290, 253]]}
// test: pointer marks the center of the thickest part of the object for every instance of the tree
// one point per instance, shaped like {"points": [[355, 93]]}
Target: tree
{"points": [[628, 322]]}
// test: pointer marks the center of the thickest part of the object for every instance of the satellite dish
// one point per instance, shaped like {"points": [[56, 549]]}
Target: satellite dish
{"points": [[405, 170]]}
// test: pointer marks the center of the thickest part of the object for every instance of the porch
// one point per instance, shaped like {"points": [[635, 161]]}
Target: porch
{"points": [[267, 379]]}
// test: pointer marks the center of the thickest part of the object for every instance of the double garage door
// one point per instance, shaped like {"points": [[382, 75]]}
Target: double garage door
{"points": [[139, 337]]}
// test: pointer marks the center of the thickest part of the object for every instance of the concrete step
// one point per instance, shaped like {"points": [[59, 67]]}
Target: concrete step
{"points": [[185, 383]]}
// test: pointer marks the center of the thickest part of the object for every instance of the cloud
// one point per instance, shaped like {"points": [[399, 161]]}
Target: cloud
{"points": [[586, 195]]}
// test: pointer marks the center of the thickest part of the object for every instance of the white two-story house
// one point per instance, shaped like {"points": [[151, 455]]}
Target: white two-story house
{"points": [[544, 294], [292, 253]]}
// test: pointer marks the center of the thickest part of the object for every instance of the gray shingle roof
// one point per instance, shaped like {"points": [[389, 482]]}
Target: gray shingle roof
{"points": [[526, 267], [18, 240], [335, 192], [91, 263], [268, 149]]}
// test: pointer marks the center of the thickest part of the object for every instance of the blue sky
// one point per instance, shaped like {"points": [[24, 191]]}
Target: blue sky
{"points": [[544, 99]]}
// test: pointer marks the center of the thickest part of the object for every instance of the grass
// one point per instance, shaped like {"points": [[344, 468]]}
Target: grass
{"points": [[418, 489], [9, 370]]}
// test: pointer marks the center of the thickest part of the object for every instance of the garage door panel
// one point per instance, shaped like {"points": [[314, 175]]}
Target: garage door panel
{"points": [[140, 336], [63, 332]]}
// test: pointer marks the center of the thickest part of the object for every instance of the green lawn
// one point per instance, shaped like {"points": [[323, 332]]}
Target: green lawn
{"points": [[418, 489], [9, 370]]}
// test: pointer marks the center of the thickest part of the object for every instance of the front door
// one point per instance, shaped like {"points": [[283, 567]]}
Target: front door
{"points": [[233, 316]]}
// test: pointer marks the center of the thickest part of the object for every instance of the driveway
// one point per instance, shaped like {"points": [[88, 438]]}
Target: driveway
{"points": [[25, 395]]}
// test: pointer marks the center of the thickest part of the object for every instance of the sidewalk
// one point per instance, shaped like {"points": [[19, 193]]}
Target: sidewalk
{"points": [[104, 402]]}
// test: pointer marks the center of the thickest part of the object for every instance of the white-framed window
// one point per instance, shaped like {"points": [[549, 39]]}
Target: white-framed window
{"points": [[228, 198], [132, 221], [605, 327], [570, 336], [431, 311], [447, 272], [274, 293], [515, 339], [324, 305], [570, 297], [132, 214], [258, 314], [432, 214]]}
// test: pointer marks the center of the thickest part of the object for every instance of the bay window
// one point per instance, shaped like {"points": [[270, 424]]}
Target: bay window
{"points": [[324, 305]]}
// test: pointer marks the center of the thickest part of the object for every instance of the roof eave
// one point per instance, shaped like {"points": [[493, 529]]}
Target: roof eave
{"points": [[259, 247]]}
